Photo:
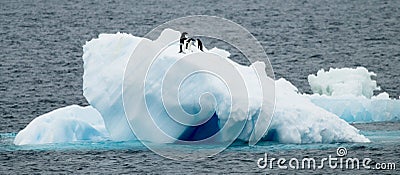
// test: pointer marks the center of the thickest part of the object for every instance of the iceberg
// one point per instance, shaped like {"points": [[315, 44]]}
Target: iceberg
{"points": [[297, 119]]}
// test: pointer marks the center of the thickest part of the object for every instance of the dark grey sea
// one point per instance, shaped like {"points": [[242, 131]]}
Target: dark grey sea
{"points": [[41, 70]]}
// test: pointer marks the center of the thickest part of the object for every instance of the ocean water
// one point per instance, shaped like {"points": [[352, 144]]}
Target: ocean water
{"points": [[41, 70]]}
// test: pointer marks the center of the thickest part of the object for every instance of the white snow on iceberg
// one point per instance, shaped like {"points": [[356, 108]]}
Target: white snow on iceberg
{"points": [[104, 61], [345, 81]]}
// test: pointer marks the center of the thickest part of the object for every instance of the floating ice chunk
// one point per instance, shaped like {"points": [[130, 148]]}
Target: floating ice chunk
{"points": [[68, 124], [345, 81], [348, 93]]}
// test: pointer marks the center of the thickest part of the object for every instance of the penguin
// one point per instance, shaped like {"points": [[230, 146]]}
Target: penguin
{"points": [[189, 43], [182, 41], [199, 44]]}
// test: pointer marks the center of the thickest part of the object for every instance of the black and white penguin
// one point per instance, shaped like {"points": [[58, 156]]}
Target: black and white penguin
{"points": [[199, 45], [189, 43], [182, 41]]}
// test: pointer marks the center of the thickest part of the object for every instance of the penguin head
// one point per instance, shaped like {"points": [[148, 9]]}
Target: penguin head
{"points": [[184, 35]]}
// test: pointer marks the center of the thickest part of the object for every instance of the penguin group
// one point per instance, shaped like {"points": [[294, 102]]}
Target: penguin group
{"points": [[185, 43]]}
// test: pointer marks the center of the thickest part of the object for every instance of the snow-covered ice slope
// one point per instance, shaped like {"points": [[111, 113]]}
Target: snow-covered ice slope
{"points": [[67, 124], [298, 120]]}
